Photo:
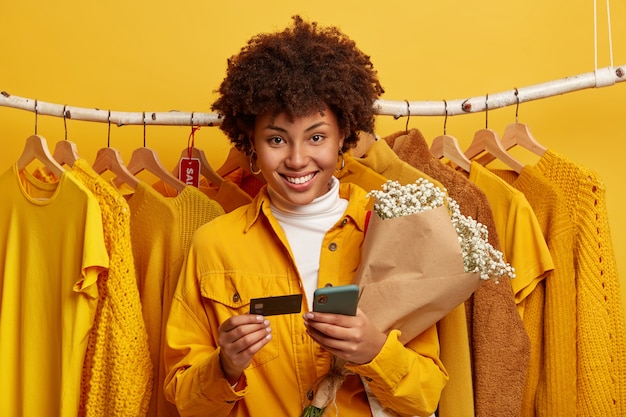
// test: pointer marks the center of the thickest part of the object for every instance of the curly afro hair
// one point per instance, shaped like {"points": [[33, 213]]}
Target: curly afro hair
{"points": [[298, 70]]}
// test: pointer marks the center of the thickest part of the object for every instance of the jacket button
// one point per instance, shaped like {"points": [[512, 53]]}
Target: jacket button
{"points": [[236, 298], [332, 247], [309, 394], [344, 222]]}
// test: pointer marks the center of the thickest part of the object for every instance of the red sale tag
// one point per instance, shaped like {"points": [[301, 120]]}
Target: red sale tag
{"points": [[189, 171]]}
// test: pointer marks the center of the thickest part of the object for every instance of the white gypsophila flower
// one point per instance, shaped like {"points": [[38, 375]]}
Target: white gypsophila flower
{"points": [[396, 200]]}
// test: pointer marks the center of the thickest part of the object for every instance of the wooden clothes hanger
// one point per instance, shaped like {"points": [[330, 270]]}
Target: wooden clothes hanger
{"points": [[36, 148], [65, 152], [234, 160], [366, 140], [448, 146], [206, 170], [486, 140], [517, 134], [147, 159], [109, 159]]}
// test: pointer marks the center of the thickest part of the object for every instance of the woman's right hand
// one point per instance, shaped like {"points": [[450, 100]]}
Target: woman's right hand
{"points": [[240, 337]]}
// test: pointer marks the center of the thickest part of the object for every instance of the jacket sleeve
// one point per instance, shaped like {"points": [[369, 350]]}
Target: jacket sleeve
{"points": [[407, 379], [195, 381]]}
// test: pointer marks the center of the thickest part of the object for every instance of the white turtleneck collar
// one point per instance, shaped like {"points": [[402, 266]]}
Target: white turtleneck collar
{"points": [[305, 228]]}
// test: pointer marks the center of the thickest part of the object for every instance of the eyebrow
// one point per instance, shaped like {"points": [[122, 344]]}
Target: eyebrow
{"points": [[308, 129]]}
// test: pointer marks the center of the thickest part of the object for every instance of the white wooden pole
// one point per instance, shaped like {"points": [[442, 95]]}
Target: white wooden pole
{"points": [[603, 77]]}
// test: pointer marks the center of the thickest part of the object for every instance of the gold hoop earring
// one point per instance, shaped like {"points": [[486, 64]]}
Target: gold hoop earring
{"points": [[343, 161], [258, 171]]}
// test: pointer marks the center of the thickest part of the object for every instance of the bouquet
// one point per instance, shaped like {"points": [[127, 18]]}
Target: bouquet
{"points": [[421, 258]]}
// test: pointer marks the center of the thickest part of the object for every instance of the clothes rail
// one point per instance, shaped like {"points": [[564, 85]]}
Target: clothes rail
{"points": [[602, 77]]}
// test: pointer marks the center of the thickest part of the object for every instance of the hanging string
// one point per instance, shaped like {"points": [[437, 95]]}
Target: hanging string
{"points": [[516, 104], [36, 115], [408, 112], [191, 140], [109, 132], [487, 111], [603, 78], [65, 121], [445, 120], [144, 129]]}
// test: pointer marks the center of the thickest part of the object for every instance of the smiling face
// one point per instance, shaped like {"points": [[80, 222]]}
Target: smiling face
{"points": [[298, 156]]}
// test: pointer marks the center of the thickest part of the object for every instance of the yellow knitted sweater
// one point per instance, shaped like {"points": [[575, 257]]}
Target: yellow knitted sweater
{"points": [[601, 362], [117, 372], [162, 228], [550, 309]]}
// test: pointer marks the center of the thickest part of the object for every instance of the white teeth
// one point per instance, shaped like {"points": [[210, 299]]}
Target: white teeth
{"points": [[300, 180]]}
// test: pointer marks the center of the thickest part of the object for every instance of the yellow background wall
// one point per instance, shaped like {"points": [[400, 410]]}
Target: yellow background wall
{"points": [[162, 55]]}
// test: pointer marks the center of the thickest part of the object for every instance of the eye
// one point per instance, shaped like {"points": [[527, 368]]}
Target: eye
{"points": [[317, 138], [275, 140]]}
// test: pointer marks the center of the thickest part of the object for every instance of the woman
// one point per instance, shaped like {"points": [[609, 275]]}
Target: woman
{"points": [[293, 101]]}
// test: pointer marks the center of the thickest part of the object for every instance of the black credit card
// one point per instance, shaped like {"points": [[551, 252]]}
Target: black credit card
{"points": [[271, 306]]}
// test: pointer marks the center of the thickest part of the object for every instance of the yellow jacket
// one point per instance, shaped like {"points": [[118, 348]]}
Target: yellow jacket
{"points": [[218, 280]]}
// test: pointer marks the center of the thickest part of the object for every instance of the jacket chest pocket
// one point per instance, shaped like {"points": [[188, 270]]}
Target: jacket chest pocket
{"points": [[229, 293]]}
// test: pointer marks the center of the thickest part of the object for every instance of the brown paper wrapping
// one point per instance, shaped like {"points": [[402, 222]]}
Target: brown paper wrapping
{"points": [[411, 272]]}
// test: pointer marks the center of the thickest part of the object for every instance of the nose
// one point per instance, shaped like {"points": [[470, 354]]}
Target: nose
{"points": [[297, 157]]}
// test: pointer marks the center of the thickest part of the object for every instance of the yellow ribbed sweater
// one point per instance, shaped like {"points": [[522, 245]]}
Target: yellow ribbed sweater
{"points": [[601, 362], [550, 309], [162, 228]]}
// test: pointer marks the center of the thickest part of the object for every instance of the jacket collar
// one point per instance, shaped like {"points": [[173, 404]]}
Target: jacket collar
{"points": [[356, 210]]}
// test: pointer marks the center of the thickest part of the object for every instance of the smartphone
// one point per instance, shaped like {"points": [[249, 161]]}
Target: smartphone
{"points": [[341, 299]]}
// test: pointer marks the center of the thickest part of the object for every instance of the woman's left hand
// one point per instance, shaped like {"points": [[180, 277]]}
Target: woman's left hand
{"points": [[352, 338]]}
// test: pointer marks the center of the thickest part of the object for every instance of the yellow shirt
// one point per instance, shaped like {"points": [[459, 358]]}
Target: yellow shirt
{"points": [[51, 252], [521, 239], [218, 281]]}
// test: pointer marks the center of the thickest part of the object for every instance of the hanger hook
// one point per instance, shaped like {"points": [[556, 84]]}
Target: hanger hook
{"points": [[36, 115], [144, 129], [487, 111], [445, 120], [408, 112], [516, 104], [65, 120], [191, 138], [109, 130]]}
